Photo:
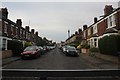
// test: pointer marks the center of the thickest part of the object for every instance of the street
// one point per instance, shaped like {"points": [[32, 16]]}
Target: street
{"points": [[54, 59]]}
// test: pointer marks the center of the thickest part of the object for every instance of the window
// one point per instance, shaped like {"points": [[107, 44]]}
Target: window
{"points": [[24, 33], [27, 35], [91, 42], [84, 34], [94, 28], [6, 27], [12, 28], [111, 21], [21, 32], [4, 44], [16, 30], [94, 42], [89, 31]]}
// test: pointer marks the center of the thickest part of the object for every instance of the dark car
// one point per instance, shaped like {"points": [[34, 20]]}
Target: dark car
{"points": [[42, 50], [71, 51], [31, 51]]}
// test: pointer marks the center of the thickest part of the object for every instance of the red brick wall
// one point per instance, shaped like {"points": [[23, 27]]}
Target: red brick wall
{"points": [[101, 27]]}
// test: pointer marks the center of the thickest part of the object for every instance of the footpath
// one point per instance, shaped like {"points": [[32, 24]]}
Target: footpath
{"points": [[101, 61], [9, 60]]}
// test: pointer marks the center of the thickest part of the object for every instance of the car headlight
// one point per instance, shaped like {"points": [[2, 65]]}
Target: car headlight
{"points": [[67, 50], [33, 52]]}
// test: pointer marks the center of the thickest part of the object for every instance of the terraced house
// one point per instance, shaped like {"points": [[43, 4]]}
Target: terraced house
{"points": [[108, 24], [13, 30]]}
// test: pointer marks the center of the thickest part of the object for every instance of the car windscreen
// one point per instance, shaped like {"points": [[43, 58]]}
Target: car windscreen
{"points": [[71, 48], [30, 49]]}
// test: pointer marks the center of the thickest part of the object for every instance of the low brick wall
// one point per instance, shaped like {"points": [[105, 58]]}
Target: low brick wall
{"points": [[86, 51], [6, 54]]}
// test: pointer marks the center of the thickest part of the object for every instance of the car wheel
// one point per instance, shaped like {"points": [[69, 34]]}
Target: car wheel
{"points": [[66, 54], [22, 57]]}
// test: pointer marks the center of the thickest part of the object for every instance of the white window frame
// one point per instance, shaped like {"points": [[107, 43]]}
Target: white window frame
{"points": [[92, 42], [84, 34], [12, 28], [111, 21], [16, 30], [27, 35], [6, 27], [95, 29], [21, 32], [4, 42], [24, 33]]}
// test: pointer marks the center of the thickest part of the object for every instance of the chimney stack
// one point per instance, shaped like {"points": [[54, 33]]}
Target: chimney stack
{"points": [[95, 19], [80, 31], [108, 10], [84, 27], [4, 12], [76, 33], [36, 33], [27, 28], [32, 31], [19, 22]]}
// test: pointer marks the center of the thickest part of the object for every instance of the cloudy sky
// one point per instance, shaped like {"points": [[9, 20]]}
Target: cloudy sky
{"points": [[54, 19]]}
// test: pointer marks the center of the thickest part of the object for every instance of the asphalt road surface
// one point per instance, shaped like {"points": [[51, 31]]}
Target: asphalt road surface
{"points": [[54, 60]]}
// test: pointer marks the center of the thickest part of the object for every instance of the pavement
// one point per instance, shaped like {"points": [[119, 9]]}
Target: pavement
{"points": [[93, 59], [10, 60], [102, 61]]}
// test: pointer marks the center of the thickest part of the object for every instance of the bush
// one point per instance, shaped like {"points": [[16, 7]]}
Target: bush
{"points": [[15, 46], [109, 44], [86, 46], [28, 44], [93, 49]]}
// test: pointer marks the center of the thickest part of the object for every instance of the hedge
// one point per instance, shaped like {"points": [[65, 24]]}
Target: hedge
{"points": [[15, 46], [109, 44]]}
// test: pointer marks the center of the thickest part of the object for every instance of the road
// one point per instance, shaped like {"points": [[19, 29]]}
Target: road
{"points": [[54, 60]]}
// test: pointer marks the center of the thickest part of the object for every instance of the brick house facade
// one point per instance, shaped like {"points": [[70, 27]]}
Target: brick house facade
{"points": [[111, 19], [11, 30]]}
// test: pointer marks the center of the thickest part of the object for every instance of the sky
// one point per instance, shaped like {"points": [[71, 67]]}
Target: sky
{"points": [[53, 19]]}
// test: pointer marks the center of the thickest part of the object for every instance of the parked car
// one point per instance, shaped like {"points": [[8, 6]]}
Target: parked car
{"points": [[42, 50], [31, 51], [71, 51], [64, 48]]}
